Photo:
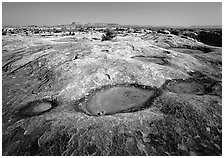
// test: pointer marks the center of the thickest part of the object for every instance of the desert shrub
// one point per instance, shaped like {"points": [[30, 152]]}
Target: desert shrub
{"points": [[210, 38], [57, 31], [109, 35], [4, 33], [36, 32], [175, 32]]}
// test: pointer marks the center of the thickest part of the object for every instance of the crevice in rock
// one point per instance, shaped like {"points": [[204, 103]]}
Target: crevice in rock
{"points": [[108, 76]]}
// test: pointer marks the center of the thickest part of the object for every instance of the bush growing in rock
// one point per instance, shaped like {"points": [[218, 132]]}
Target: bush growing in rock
{"points": [[210, 38], [109, 35], [175, 32], [4, 33]]}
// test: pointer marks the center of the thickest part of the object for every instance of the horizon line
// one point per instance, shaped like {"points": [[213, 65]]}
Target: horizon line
{"points": [[95, 23]]}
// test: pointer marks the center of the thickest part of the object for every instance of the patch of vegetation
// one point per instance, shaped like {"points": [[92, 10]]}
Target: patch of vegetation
{"points": [[109, 35], [4, 33], [210, 38]]}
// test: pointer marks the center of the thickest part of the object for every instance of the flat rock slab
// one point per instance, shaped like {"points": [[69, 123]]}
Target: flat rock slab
{"points": [[118, 99]]}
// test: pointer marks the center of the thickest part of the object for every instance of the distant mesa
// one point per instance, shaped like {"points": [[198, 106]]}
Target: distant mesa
{"points": [[76, 23], [103, 24], [206, 26]]}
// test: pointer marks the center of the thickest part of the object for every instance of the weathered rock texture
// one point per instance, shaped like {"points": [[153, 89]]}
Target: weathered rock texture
{"points": [[48, 84]]}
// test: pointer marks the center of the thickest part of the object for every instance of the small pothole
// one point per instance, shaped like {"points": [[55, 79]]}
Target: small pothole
{"points": [[185, 87], [152, 59], [196, 86], [37, 107]]}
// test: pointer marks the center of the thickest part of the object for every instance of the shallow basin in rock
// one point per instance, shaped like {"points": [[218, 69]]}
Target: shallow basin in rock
{"points": [[42, 107], [216, 89], [187, 87], [151, 59], [118, 99], [187, 51], [37, 107]]}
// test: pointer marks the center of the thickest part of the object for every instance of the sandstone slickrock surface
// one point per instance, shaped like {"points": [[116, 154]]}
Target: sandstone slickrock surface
{"points": [[154, 94]]}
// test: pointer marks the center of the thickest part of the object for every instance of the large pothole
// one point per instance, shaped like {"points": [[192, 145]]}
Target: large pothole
{"points": [[120, 99]]}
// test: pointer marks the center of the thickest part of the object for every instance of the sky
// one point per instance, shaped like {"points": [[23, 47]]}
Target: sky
{"points": [[133, 13]]}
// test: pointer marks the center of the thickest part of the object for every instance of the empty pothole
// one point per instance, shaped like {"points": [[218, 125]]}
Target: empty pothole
{"points": [[153, 59], [37, 107], [119, 99], [185, 87], [197, 84]]}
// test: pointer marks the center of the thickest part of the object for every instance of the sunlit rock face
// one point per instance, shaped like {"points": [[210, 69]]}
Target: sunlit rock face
{"points": [[141, 94], [118, 99]]}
